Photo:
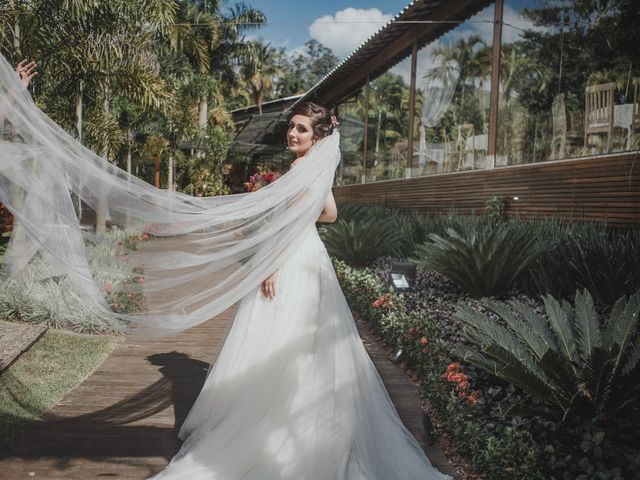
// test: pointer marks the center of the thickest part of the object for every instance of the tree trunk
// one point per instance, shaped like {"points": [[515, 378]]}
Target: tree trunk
{"points": [[17, 40], [170, 172], [128, 219], [378, 130], [101, 210], [79, 106], [203, 112]]}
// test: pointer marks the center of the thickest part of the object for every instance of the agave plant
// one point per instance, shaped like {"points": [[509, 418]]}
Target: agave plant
{"points": [[572, 361], [359, 242], [482, 256]]}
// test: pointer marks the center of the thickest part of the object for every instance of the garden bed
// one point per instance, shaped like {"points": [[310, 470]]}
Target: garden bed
{"points": [[524, 335]]}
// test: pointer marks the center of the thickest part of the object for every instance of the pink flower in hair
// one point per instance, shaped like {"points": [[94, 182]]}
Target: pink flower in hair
{"points": [[334, 121]]}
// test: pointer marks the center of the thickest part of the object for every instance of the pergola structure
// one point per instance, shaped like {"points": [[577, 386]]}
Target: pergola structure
{"points": [[580, 183]]}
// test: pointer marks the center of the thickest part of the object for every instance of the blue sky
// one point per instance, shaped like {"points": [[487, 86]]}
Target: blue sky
{"points": [[340, 25]]}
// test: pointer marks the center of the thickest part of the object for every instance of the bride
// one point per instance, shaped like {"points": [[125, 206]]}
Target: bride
{"points": [[293, 393]]}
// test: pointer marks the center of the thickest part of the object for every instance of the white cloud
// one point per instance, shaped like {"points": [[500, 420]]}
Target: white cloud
{"points": [[515, 24], [347, 29]]}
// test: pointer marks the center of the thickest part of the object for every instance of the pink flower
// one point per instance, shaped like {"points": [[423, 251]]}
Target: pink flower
{"points": [[424, 340], [107, 287], [334, 121]]}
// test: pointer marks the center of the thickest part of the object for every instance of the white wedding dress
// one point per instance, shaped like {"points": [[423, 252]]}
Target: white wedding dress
{"points": [[293, 393]]}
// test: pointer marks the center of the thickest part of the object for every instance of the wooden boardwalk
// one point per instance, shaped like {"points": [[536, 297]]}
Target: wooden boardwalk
{"points": [[122, 421]]}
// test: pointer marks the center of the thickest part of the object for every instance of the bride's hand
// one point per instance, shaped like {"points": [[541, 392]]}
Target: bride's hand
{"points": [[26, 71], [269, 286]]}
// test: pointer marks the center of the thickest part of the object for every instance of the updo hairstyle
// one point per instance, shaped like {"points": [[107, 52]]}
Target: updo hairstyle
{"points": [[320, 118]]}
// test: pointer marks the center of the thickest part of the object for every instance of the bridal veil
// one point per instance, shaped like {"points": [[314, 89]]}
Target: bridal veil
{"points": [[237, 240]]}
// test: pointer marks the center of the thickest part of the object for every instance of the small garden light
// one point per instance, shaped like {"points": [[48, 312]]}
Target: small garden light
{"points": [[402, 275]]}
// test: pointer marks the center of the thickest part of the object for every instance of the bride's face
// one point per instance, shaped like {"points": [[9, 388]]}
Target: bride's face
{"points": [[300, 136]]}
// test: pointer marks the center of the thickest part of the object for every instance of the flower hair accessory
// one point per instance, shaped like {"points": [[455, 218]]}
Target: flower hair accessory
{"points": [[334, 121]]}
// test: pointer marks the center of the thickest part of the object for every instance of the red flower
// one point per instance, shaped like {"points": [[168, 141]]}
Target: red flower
{"points": [[424, 340], [453, 367], [473, 397]]}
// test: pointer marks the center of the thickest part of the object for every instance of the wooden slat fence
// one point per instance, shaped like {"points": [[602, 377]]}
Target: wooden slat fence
{"points": [[603, 188]]}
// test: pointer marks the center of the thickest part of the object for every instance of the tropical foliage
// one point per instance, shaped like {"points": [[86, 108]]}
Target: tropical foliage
{"points": [[574, 363], [604, 260], [362, 241], [501, 454], [483, 256], [133, 80], [41, 296]]}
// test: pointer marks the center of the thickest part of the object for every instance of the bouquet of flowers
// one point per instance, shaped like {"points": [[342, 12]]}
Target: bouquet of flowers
{"points": [[260, 179]]}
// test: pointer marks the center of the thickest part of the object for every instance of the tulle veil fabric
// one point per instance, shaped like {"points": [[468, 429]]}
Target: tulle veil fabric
{"points": [[293, 393], [237, 239]]}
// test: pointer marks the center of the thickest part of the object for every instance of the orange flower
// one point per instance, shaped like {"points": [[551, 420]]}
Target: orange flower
{"points": [[473, 397]]}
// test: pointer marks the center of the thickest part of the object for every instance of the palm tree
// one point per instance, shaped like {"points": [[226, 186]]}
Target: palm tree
{"points": [[259, 69]]}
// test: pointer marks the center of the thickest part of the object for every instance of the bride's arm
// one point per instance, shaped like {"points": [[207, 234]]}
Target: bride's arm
{"points": [[330, 211], [26, 71], [328, 215]]}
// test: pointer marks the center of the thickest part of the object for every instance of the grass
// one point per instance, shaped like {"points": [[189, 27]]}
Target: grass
{"points": [[42, 376]]}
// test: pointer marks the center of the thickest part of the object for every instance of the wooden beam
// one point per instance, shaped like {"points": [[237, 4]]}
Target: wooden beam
{"points": [[366, 131], [412, 109], [495, 83], [157, 170]]}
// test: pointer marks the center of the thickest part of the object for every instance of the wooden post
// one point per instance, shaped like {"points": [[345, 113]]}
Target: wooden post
{"points": [[366, 131], [412, 110], [495, 83], [157, 170]]}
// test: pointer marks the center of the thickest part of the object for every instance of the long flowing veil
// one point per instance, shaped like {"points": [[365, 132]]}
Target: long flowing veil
{"points": [[236, 240]]}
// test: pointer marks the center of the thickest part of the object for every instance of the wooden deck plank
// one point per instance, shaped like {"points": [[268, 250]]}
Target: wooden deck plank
{"points": [[15, 339]]}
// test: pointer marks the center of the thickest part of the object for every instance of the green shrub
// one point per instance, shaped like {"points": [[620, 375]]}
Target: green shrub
{"points": [[483, 256], [604, 260], [576, 365], [42, 296], [359, 242], [505, 455]]}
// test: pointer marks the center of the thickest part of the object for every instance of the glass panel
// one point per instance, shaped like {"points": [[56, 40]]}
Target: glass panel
{"points": [[351, 115], [452, 99], [569, 75], [388, 128]]}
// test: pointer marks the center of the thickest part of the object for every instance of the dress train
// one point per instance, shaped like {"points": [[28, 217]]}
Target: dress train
{"points": [[293, 393]]}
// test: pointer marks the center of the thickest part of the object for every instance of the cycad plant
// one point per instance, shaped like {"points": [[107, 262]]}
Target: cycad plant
{"points": [[574, 363], [483, 256], [359, 242], [600, 258]]}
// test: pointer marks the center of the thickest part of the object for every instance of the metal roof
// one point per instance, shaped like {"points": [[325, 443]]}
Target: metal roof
{"points": [[416, 11], [262, 134]]}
